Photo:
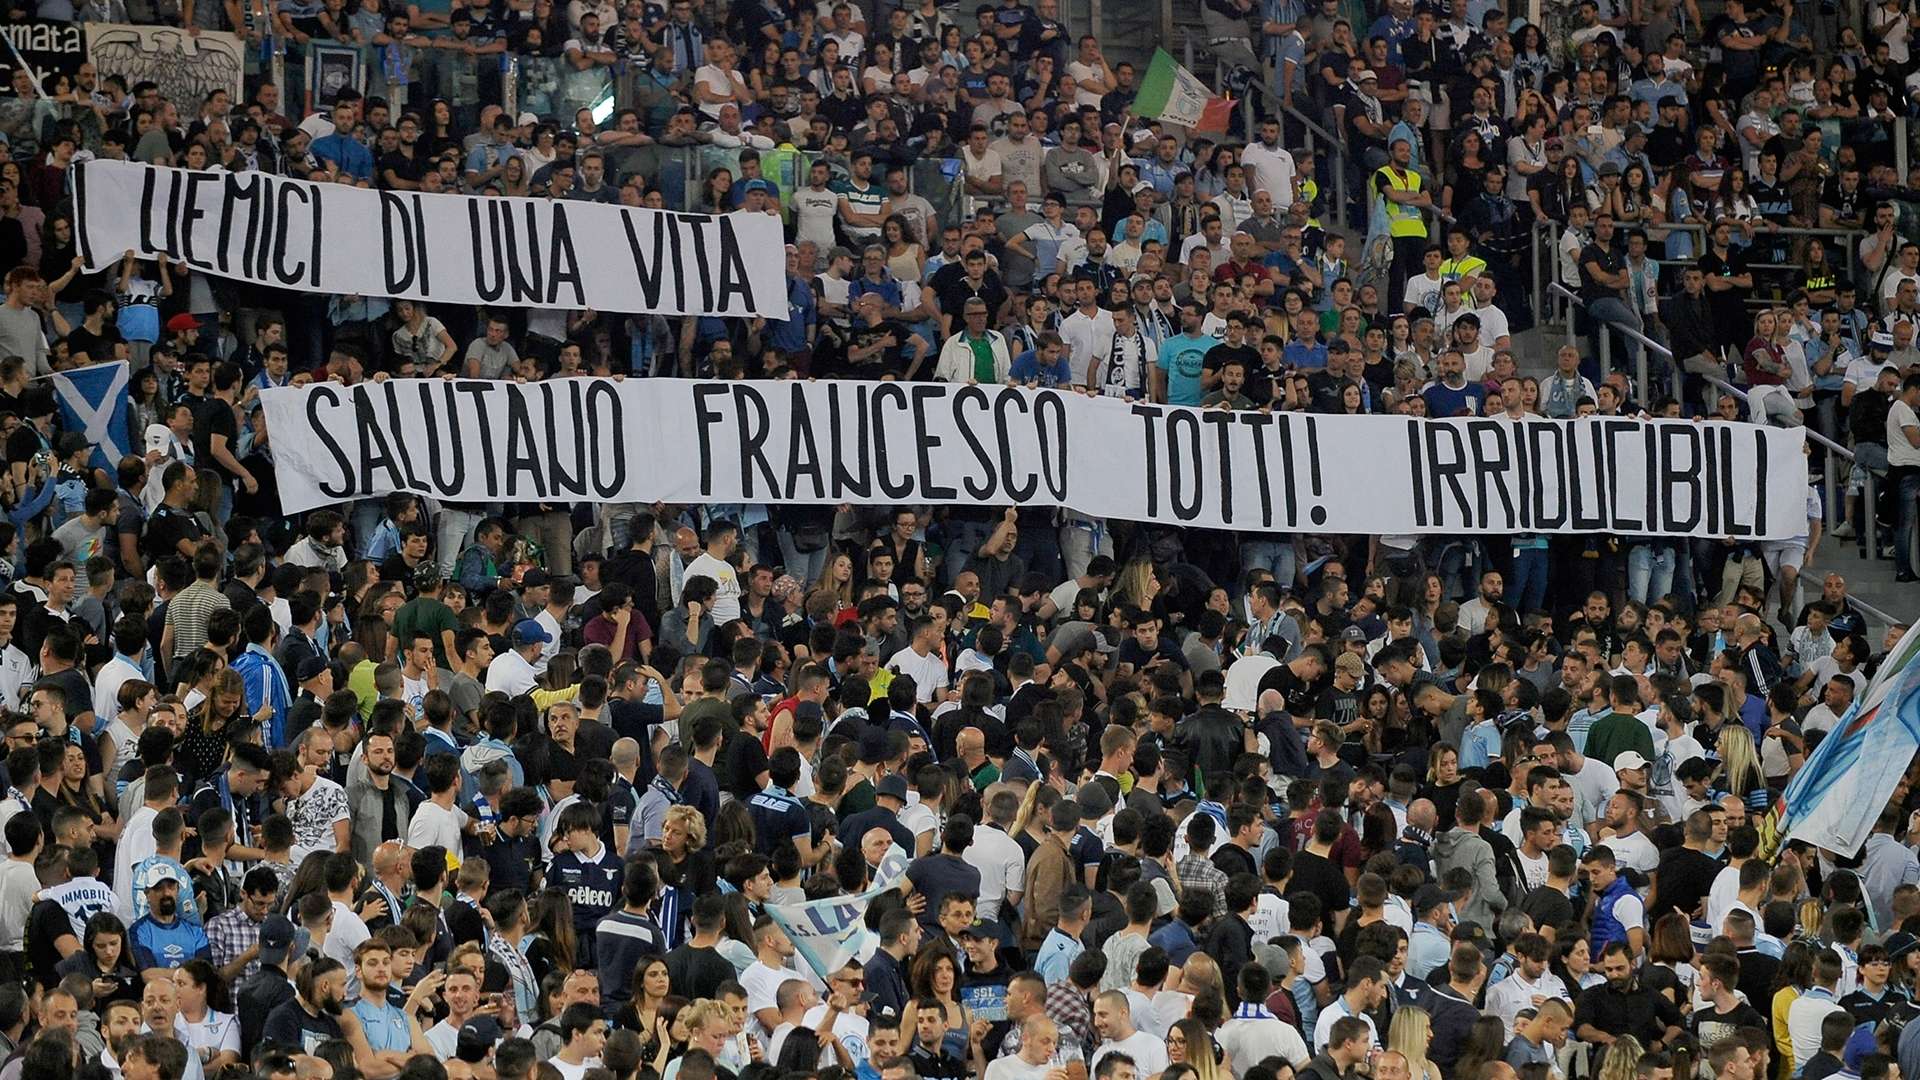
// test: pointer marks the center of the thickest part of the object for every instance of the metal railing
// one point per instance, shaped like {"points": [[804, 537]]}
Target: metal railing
{"points": [[1544, 243], [1832, 498], [1316, 136]]}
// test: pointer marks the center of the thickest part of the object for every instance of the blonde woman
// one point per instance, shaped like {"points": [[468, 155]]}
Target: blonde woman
{"points": [[1137, 585], [1740, 769], [1622, 1060], [683, 839], [1411, 1034], [705, 1024], [837, 577], [1189, 1043]]}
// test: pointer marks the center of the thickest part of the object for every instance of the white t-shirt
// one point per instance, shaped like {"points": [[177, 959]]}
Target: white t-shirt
{"points": [[1634, 851], [510, 674], [919, 818], [1593, 785], [433, 824], [850, 1029], [1534, 869], [719, 82], [814, 213], [1014, 1067], [726, 597], [1002, 865], [1899, 450], [1089, 339], [1148, 1053], [762, 983], [1272, 170], [1826, 669], [1493, 324], [929, 672], [1249, 1040], [1337, 1008]]}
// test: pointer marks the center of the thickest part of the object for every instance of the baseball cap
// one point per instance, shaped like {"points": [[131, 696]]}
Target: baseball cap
{"points": [[1629, 759], [1428, 898], [1354, 632], [182, 323], [426, 575], [530, 632], [893, 785], [1349, 664], [310, 669], [158, 437], [477, 1037], [160, 873], [1366, 75], [535, 578], [1608, 168], [526, 118], [276, 939], [1900, 943]]}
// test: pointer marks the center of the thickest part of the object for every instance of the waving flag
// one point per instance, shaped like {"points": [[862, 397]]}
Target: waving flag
{"points": [[1171, 93], [1839, 793], [93, 401], [828, 933]]}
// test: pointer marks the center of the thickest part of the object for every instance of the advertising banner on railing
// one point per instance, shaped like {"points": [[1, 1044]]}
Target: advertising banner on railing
{"points": [[889, 443]]}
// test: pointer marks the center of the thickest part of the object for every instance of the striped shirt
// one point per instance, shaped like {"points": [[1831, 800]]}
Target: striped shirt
{"points": [[188, 613]]}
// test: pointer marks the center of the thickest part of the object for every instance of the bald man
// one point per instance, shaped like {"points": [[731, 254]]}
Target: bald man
{"points": [[686, 548], [970, 746]]}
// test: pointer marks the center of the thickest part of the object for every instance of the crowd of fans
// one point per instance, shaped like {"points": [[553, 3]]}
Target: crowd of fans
{"points": [[463, 792]]}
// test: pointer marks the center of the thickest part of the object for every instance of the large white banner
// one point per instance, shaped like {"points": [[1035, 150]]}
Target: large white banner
{"points": [[456, 249], [884, 443]]}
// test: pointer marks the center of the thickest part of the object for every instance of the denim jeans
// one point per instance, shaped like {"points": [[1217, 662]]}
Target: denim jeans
{"points": [[1528, 589], [1614, 311], [1079, 544], [1649, 572], [451, 534], [805, 566], [362, 522], [1904, 482], [1274, 556]]}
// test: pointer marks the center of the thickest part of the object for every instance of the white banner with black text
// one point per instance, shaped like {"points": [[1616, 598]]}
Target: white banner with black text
{"points": [[456, 249], [885, 443]]}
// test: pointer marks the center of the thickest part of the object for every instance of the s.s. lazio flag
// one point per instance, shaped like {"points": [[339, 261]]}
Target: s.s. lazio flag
{"points": [[829, 933], [1835, 798], [93, 401]]}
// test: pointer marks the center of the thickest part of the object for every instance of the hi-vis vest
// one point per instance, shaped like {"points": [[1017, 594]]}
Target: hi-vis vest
{"points": [[1402, 220]]}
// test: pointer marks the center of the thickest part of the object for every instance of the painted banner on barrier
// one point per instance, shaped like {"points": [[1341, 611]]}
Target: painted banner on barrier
{"points": [[456, 249], [886, 443], [829, 933]]}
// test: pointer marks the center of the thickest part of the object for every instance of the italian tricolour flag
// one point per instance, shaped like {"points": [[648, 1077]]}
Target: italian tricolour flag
{"points": [[1173, 94]]}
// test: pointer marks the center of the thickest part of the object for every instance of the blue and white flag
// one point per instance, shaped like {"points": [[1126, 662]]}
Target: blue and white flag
{"points": [[1835, 798], [93, 401], [829, 933]]}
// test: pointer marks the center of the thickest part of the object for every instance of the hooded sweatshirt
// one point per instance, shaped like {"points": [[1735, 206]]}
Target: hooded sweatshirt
{"points": [[1461, 847]]}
